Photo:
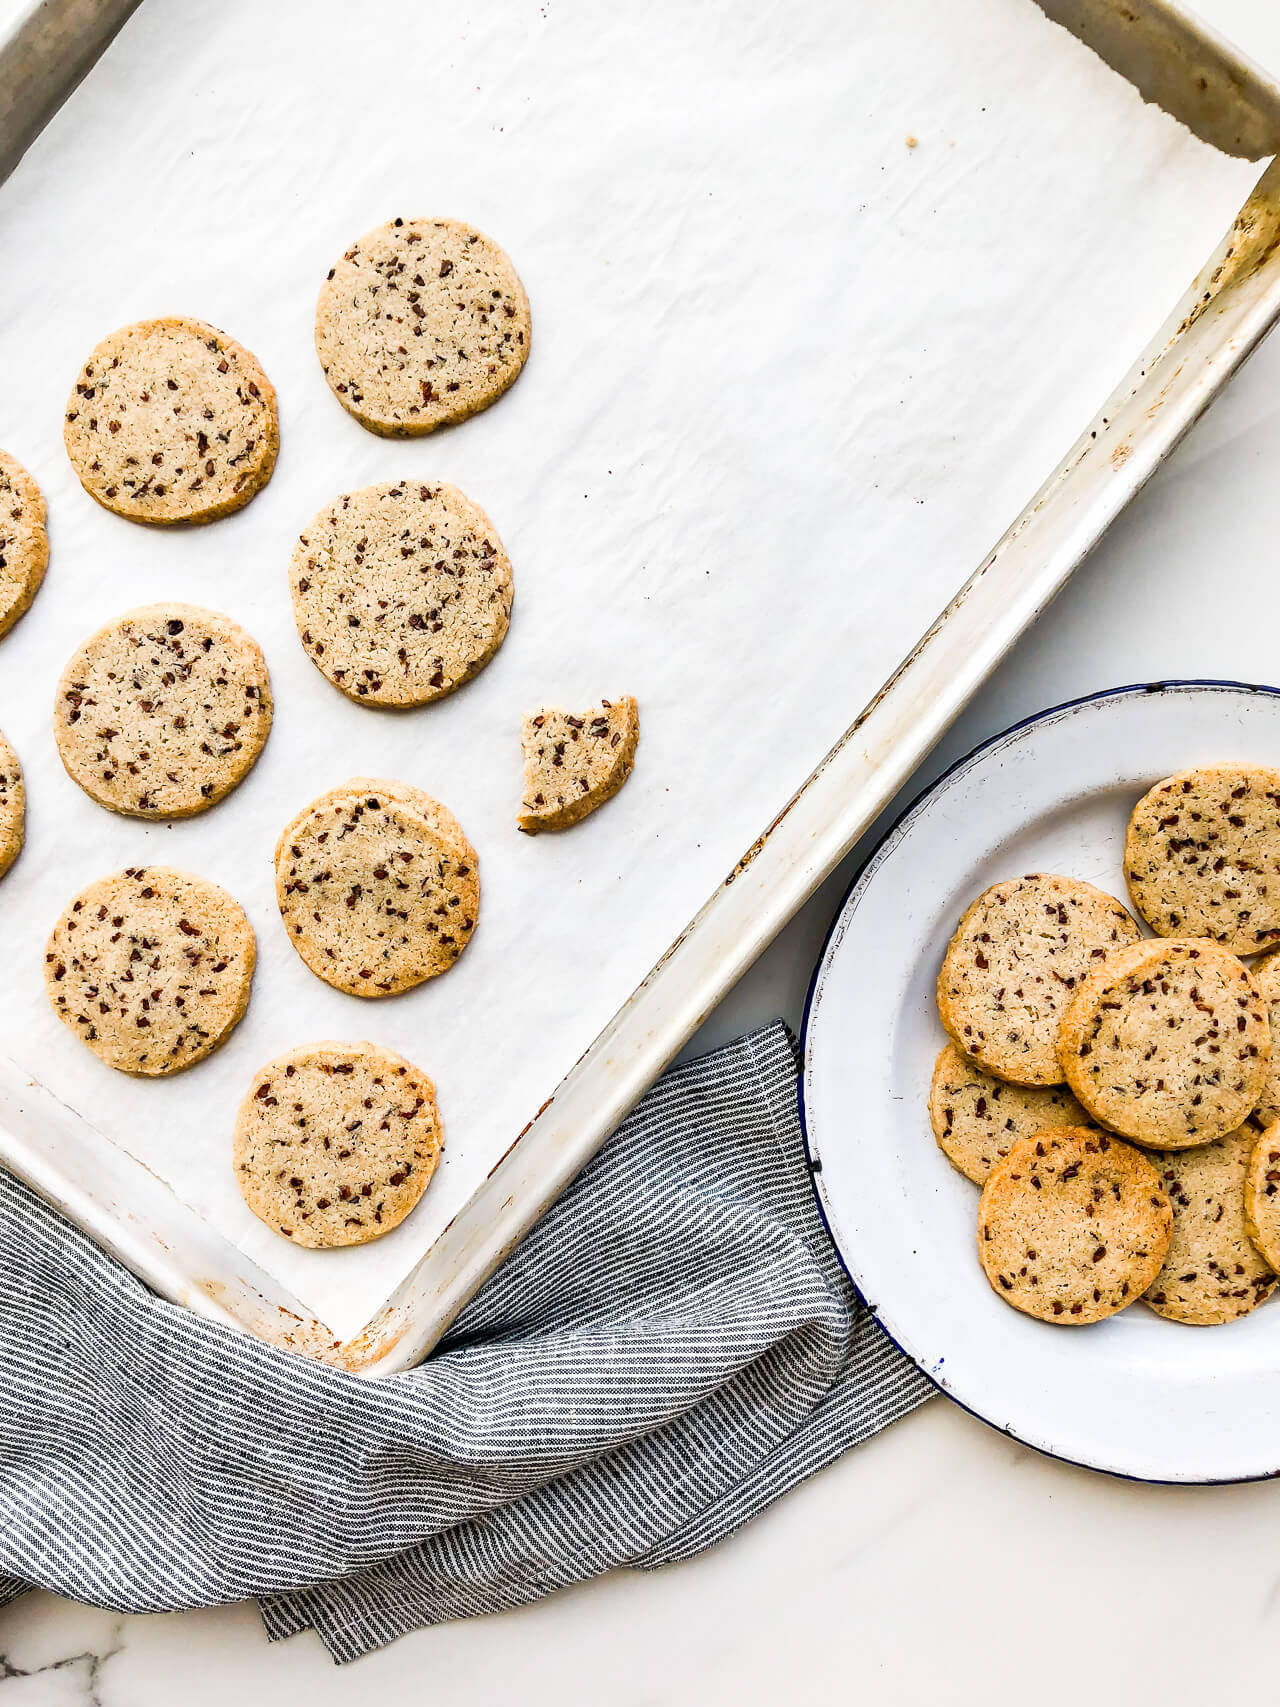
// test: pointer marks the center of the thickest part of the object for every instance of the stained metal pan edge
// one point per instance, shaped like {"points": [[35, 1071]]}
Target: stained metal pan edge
{"points": [[1229, 309]]}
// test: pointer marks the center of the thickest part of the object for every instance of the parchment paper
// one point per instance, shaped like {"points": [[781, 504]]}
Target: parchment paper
{"points": [[791, 377]]}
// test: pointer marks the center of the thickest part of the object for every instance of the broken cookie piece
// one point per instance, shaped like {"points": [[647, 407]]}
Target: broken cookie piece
{"points": [[575, 761]]}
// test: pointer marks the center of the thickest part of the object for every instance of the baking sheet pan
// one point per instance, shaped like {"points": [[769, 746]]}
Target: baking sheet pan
{"points": [[819, 300]]}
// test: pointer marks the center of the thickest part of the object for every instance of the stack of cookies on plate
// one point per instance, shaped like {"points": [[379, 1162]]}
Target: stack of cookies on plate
{"points": [[1112, 1093]]}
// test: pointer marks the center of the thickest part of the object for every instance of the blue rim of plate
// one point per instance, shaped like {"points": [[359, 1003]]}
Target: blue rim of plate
{"points": [[814, 1167]]}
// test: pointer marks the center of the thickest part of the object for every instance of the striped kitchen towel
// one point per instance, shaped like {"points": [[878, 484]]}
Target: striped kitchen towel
{"points": [[671, 1348]]}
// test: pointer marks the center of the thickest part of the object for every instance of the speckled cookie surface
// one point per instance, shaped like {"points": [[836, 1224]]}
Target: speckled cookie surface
{"points": [[977, 1118], [1262, 1195], [378, 887], [1213, 1272], [13, 806], [24, 543], [575, 760], [422, 322], [162, 712], [150, 968], [172, 421], [1072, 1226], [1168, 1043], [1266, 975], [1017, 957], [1202, 856], [401, 592], [336, 1142]]}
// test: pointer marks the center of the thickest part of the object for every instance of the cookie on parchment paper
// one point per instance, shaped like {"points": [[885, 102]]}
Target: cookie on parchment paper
{"points": [[378, 886], [162, 712], [336, 1142], [977, 1118], [151, 968], [24, 543], [401, 592], [1213, 1272], [13, 806], [1016, 959], [1168, 1043], [421, 323], [575, 761], [1202, 856], [1073, 1225], [171, 421]]}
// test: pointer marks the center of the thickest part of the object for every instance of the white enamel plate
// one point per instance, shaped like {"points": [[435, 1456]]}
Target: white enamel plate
{"points": [[1135, 1395]]}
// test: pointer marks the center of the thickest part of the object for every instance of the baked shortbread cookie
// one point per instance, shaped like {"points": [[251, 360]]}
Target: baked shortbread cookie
{"points": [[977, 1118], [575, 761], [1073, 1225], [422, 322], [1213, 1273], [1266, 975], [151, 968], [162, 712], [336, 1142], [172, 421], [24, 542], [401, 592], [1015, 961], [1168, 1043], [13, 806], [1202, 856], [378, 886], [1262, 1195]]}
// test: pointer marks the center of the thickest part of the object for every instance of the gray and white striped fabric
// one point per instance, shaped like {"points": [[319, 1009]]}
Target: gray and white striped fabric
{"points": [[673, 1347]]}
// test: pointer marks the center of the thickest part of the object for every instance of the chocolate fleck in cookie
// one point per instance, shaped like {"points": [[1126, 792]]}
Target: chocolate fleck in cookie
{"points": [[401, 593], [422, 322], [575, 761], [24, 543], [162, 712], [1262, 1195], [1015, 961], [336, 1142], [1212, 1273], [13, 806], [378, 887], [150, 968], [1202, 856], [1072, 1226], [1266, 975], [977, 1118], [1168, 1043], [172, 421]]}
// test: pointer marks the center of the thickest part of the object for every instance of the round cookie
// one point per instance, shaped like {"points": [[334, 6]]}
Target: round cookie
{"points": [[1017, 957], [977, 1118], [172, 421], [1072, 1226], [162, 712], [1202, 856], [336, 1142], [13, 806], [1262, 1195], [1167, 1043], [24, 543], [422, 322], [401, 592], [378, 887], [1212, 1272], [1266, 975], [150, 968]]}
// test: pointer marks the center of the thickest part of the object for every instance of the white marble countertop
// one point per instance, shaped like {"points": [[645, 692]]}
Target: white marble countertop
{"points": [[880, 1580]]}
